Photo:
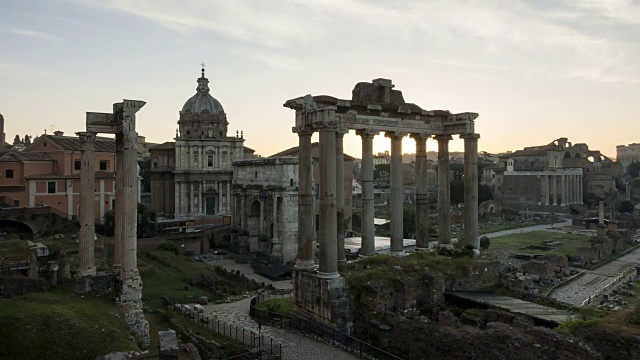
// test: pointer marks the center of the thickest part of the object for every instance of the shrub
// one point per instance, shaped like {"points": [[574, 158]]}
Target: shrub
{"points": [[169, 247]]}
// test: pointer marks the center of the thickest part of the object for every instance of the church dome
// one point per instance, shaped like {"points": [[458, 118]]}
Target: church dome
{"points": [[202, 100]]}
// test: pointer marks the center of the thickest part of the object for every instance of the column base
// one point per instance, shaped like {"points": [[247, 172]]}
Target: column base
{"points": [[344, 260], [419, 249], [331, 275], [305, 265], [130, 289], [87, 272], [446, 246], [398, 253], [323, 300]]}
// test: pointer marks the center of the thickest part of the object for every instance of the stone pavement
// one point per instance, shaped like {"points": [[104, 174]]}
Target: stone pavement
{"points": [[295, 345], [246, 270], [594, 281], [543, 227]]}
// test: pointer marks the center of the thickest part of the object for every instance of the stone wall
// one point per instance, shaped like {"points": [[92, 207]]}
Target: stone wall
{"points": [[16, 285], [139, 327], [324, 300]]}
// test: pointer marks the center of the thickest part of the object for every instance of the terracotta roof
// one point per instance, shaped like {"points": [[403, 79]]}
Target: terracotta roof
{"points": [[99, 175], [24, 156], [294, 152], [164, 146], [102, 144]]}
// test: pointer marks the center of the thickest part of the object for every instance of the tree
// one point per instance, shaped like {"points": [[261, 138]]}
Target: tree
{"points": [[146, 221], [626, 207], [484, 193], [409, 222], [457, 192], [633, 169]]}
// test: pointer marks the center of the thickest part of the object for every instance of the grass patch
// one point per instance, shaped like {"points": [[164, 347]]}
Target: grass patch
{"points": [[59, 325], [280, 306], [166, 274], [14, 248], [517, 243]]}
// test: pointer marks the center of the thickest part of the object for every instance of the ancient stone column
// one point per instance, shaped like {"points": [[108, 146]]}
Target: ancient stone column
{"points": [[228, 204], [275, 241], [563, 192], [367, 246], [340, 194], [581, 188], [444, 197], [328, 262], [243, 211], [546, 190], [130, 208], [262, 214], [422, 203], [118, 244], [554, 187], [87, 205], [471, 189], [304, 259], [397, 196]]}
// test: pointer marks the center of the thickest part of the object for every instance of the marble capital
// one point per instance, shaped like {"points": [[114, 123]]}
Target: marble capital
{"points": [[87, 139], [302, 131], [395, 134], [442, 138], [470, 137], [420, 136], [367, 133]]}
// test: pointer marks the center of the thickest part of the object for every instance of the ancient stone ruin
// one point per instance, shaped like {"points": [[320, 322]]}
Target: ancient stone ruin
{"points": [[374, 108]]}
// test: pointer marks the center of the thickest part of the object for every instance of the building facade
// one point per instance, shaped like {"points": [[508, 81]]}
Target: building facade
{"points": [[626, 154], [47, 173], [553, 175], [196, 169]]}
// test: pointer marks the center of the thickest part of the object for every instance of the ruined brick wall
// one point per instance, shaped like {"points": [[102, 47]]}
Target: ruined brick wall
{"points": [[481, 276]]}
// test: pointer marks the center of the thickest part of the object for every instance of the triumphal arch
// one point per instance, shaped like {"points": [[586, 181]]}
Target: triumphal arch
{"points": [[374, 108]]}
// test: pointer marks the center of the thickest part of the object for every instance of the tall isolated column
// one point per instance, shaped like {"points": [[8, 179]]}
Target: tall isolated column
{"points": [[87, 205], [328, 262], [340, 194], [471, 189], [444, 196], [397, 196], [367, 246], [304, 259], [118, 244], [422, 203], [130, 214]]}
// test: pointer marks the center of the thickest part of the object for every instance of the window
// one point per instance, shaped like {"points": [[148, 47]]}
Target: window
{"points": [[76, 165], [51, 187], [210, 160], [9, 174], [104, 165], [256, 176]]}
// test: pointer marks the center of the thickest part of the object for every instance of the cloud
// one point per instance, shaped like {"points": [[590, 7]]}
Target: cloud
{"points": [[517, 35], [29, 33]]}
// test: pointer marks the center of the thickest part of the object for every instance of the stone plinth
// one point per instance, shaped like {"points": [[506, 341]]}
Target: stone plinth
{"points": [[169, 345], [101, 281], [323, 300], [130, 289]]}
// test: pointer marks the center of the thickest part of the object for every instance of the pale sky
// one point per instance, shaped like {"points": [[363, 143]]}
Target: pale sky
{"points": [[534, 70]]}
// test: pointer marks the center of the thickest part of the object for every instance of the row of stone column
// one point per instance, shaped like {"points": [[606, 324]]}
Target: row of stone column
{"points": [[185, 192], [562, 189], [332, 196], [125, 247]]}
